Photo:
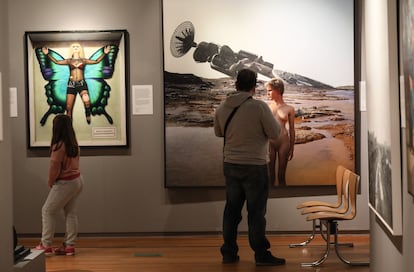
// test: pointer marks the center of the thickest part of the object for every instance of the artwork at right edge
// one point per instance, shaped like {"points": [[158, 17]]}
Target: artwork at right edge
{"points": [[384, 137], [407, 55]]}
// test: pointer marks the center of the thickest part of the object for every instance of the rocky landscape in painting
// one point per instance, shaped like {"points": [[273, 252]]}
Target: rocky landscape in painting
{"points": [[190, 101]]}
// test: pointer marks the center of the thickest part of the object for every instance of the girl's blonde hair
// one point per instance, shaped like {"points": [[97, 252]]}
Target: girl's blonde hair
{"points": [[81, 55], [276, 84]]}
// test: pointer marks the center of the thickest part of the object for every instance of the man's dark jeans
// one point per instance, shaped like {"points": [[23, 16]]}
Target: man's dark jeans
{"points": [[250, 184]]}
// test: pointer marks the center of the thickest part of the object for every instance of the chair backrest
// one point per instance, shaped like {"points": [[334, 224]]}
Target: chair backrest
{"points": [[339, 183], [342, 203], [345, 191], [350, 195], [354, 180], [350, 190]]}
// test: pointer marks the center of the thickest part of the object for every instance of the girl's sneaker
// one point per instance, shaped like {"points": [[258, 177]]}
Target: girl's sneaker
{"points": [[47, 249], [65, 250]]}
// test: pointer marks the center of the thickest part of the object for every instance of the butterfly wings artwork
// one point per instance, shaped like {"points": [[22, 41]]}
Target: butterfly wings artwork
{"points": [[57, 77]]}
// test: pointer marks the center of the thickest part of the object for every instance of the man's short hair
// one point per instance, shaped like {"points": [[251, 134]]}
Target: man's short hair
{"points": [[246, 80]]}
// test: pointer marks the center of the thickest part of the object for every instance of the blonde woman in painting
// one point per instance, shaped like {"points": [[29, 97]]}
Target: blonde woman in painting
{"points": [[281, 150], [76, 82]]}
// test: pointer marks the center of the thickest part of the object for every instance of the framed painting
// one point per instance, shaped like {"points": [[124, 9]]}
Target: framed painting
{"points": [[274, 38], [82, 74], [383, 121], [407, 62]]}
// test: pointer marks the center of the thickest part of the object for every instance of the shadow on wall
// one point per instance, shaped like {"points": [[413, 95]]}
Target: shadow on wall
{"points": [[206, 194]]}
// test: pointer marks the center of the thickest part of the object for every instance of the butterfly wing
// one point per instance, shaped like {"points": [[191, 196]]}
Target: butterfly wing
{"points": [[95, 75], [57, 78]]}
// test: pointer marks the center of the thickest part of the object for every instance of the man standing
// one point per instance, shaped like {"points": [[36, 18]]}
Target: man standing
{"points": [[247, 125]]}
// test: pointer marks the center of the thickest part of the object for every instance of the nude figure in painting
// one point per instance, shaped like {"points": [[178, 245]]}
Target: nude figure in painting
{"points": [[281, 150]]}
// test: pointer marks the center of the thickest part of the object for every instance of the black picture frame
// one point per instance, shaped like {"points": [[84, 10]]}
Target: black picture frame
{"points": [[107, 84]]}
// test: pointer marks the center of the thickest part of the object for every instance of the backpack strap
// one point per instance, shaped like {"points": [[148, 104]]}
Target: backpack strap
{"points": [[231, 117]]}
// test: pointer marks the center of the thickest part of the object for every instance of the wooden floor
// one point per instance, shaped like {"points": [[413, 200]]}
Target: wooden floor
{"points": [[196, 253]]}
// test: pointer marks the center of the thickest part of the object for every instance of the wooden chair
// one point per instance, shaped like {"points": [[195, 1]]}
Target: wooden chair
{"points": [[331, 218], [342, 177]]}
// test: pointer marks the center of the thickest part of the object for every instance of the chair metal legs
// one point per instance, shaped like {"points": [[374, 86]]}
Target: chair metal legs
{"points": [[315, 227], [326, 254], [311, 236], [340, 256], [332, 228]]}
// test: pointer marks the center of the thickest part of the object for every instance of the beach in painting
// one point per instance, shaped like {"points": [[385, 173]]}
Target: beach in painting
{"points": [[324, 127]]}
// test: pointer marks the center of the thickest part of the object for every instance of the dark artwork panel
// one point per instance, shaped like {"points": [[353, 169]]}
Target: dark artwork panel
{"points": [[407, 55], [380, 189]]}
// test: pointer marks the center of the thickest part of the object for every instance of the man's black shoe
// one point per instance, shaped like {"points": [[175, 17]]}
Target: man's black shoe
{"points": [[231, 259], [269, 260]]}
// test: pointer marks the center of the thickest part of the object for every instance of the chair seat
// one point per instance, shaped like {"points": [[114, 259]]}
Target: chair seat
{"points": [[329, 216], [317, 203], [324, 209]]}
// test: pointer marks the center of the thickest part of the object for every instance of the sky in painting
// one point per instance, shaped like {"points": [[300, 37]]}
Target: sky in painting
{"points": [[313, 38]]}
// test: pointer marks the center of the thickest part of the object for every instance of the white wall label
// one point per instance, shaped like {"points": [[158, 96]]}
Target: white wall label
{"points": [[142, 100], [13, 102]]}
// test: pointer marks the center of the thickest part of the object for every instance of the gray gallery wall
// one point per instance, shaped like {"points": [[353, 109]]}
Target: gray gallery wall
{"points": [[124, 190], [6, 199], [388, 253]]}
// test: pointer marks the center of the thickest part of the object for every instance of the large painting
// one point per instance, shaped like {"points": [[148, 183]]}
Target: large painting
{"points": [[407, 61], [82, 74], [308, 44]]}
